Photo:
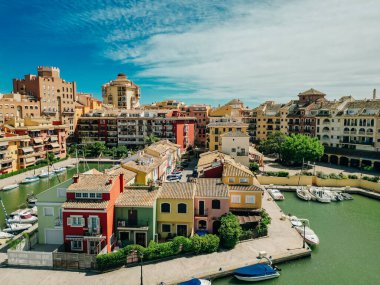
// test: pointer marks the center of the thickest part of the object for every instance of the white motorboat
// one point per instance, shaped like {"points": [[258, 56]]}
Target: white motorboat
{"points": [[16, 228], [303, 194], [70, 166], [257, 272], [4, 235], [306, 232], [45, 174], [320, 195], [276, 194], [295, 221], [10, 187], [60, 170], [31, 179], [24, 217], [335, 196]]}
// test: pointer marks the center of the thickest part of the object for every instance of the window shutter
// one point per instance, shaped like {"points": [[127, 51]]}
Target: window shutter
{"points": [[69, 221], [83, 222]]}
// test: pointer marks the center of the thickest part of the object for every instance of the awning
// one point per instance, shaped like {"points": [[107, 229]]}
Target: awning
{"points": [[38, 140], [248, 219], [54, 145], [74, 238], [27, 149], [53, 138], [3, 143]]}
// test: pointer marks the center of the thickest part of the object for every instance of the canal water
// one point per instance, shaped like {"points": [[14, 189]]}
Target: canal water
{"points": [[16, 198], [348, 254]]}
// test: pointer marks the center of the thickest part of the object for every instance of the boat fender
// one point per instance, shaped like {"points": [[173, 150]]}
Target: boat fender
{"points": [[276, 268]]}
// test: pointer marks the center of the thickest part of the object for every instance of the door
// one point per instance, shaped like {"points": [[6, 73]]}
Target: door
{"points": [[141, 239], [182, 230], [215, 227], [201, 208], [53, 236], [132, 217]]}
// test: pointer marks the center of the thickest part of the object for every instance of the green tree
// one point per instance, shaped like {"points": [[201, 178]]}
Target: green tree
{"points": [[253, 166], [298, 148], [151, 139], [229, 230], [121, 151], [95, 149], [272, 145]]}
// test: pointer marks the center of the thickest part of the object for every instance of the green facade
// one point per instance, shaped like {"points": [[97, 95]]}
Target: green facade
{"points": [[146, 222], [50, 221]]}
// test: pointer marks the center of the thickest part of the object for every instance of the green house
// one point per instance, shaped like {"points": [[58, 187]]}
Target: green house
{"points": [[135, 215], [49, 209]]}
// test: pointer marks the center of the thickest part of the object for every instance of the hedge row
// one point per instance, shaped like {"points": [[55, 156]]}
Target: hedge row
{"points": [[196, 244], [277, 174]]}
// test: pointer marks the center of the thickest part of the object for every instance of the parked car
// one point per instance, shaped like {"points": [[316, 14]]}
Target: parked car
{"points": [[173, 177], [175, 172]]}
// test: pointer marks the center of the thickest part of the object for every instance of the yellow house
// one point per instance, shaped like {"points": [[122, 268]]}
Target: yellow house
{"points": [[175, 209], [231, 109], [146, 168], [245, 191], [215, 130], [9, 146]]}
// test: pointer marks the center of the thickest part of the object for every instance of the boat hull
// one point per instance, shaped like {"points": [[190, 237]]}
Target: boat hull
{"points": [[15, 228], [10, 187], [257, 278], [28, 181], [303, 196]]}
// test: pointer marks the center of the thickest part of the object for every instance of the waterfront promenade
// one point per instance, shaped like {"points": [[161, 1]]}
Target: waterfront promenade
{"points": [[283, 243]]}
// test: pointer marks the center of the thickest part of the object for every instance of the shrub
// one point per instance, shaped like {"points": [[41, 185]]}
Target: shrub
{"points": [[186, 243], [367, 168], [334, 176], [205, 244], [246, 234], [372, 179], [322, 175], [277, 174], [230, 230], [352, 176], [305, 173], [111, 260], [160, 250], [265, 218], [253, 166]]}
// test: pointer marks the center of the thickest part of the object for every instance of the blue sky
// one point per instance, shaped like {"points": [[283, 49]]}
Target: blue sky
{"points": [[198, 51]]}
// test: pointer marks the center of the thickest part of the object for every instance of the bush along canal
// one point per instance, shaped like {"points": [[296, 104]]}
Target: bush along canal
{"points": [[348, 253]]}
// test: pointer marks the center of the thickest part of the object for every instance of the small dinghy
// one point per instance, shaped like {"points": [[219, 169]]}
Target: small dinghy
{"points": [[45, 174], [196, 281], [256, 272], [346, 196], [10, 187], [29, 180]]}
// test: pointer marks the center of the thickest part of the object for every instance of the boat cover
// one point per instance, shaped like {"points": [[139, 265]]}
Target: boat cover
{"points": [[193, 281], [255, 270]]}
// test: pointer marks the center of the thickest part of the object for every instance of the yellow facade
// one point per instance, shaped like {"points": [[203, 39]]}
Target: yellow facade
{"points": [[245, 200], [236, 180], [215, 130], [175, 219], [141, 176]]}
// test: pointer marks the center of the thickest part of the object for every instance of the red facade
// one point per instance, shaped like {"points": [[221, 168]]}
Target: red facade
{"points": [[87, 226]]}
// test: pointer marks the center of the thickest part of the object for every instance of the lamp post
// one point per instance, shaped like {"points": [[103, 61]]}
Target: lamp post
{"points": [[141, 269], [304, 233]]}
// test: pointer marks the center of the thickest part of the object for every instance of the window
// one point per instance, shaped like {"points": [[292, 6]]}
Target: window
{"points": [[235, 199], [215, 204], [231, 180], [92, 195], [233, 149], [48, 211], [250, 199], [99, 195], [243, 180], [182, 208], [165, 208], [84, 195], [78, 195], [75, 221], [77, 245], [166, 228]]}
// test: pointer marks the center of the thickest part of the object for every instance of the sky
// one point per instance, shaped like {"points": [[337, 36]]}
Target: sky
{"points": [[198, 51]]}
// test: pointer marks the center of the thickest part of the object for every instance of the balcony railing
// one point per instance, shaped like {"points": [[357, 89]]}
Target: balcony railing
{"points": [[58, 222], [241, 153], [199, 213], [132, 224], [92, 232]]}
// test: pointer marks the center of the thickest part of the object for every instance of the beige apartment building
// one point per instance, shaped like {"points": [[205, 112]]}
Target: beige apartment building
{"points": [[165, 104], [56, 96], [15, 105], [10, 147], [216, 129], [121, 93], [236, 145]]}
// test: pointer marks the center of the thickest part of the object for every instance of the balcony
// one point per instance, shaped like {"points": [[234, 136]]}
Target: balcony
{"points": [[241, 153], [357, 142], [134, 225], [68, 111], [93, 233], [199, 213], [58, 222]]}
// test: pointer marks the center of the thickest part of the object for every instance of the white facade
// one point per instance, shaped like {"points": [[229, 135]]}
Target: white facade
{"points": [[236, 144]]}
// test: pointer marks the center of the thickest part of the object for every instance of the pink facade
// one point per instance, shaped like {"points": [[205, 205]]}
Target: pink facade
{"points": [[207, 212]]}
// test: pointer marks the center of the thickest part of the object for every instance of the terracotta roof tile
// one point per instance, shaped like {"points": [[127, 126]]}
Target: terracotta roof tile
{"points": [[128, 175], [137, 197], [236, 169], [211, 187], [177, 190], [85, 204], [93, 183], [245, 188]]}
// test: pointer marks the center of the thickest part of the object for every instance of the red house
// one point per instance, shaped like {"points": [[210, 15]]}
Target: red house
{"points": [[88, 212]]}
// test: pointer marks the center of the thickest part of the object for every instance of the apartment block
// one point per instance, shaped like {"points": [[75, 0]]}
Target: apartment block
{"points": [[11, 145], [121, 93], [15, 105], [215, 130]]}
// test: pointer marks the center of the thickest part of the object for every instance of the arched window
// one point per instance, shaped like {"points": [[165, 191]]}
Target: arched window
{"points": [[215, 204], [202, 225], [165, 208], [182, 208]]}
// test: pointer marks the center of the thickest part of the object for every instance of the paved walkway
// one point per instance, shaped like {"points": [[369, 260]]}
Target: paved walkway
{"points": [[19, 177], [283, 242]]}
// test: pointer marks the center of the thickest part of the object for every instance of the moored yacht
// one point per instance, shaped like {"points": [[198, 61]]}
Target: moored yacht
{"points": [[306, 232], [276, 194], [320, 195], [303, 194]]}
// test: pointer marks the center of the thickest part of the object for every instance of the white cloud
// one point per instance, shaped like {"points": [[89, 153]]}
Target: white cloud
{"points": [[250, 50]]}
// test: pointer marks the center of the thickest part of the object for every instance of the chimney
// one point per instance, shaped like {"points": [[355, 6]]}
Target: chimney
{"points": [[122, 182], [374, 94], [76, 178], [110, 181]]}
